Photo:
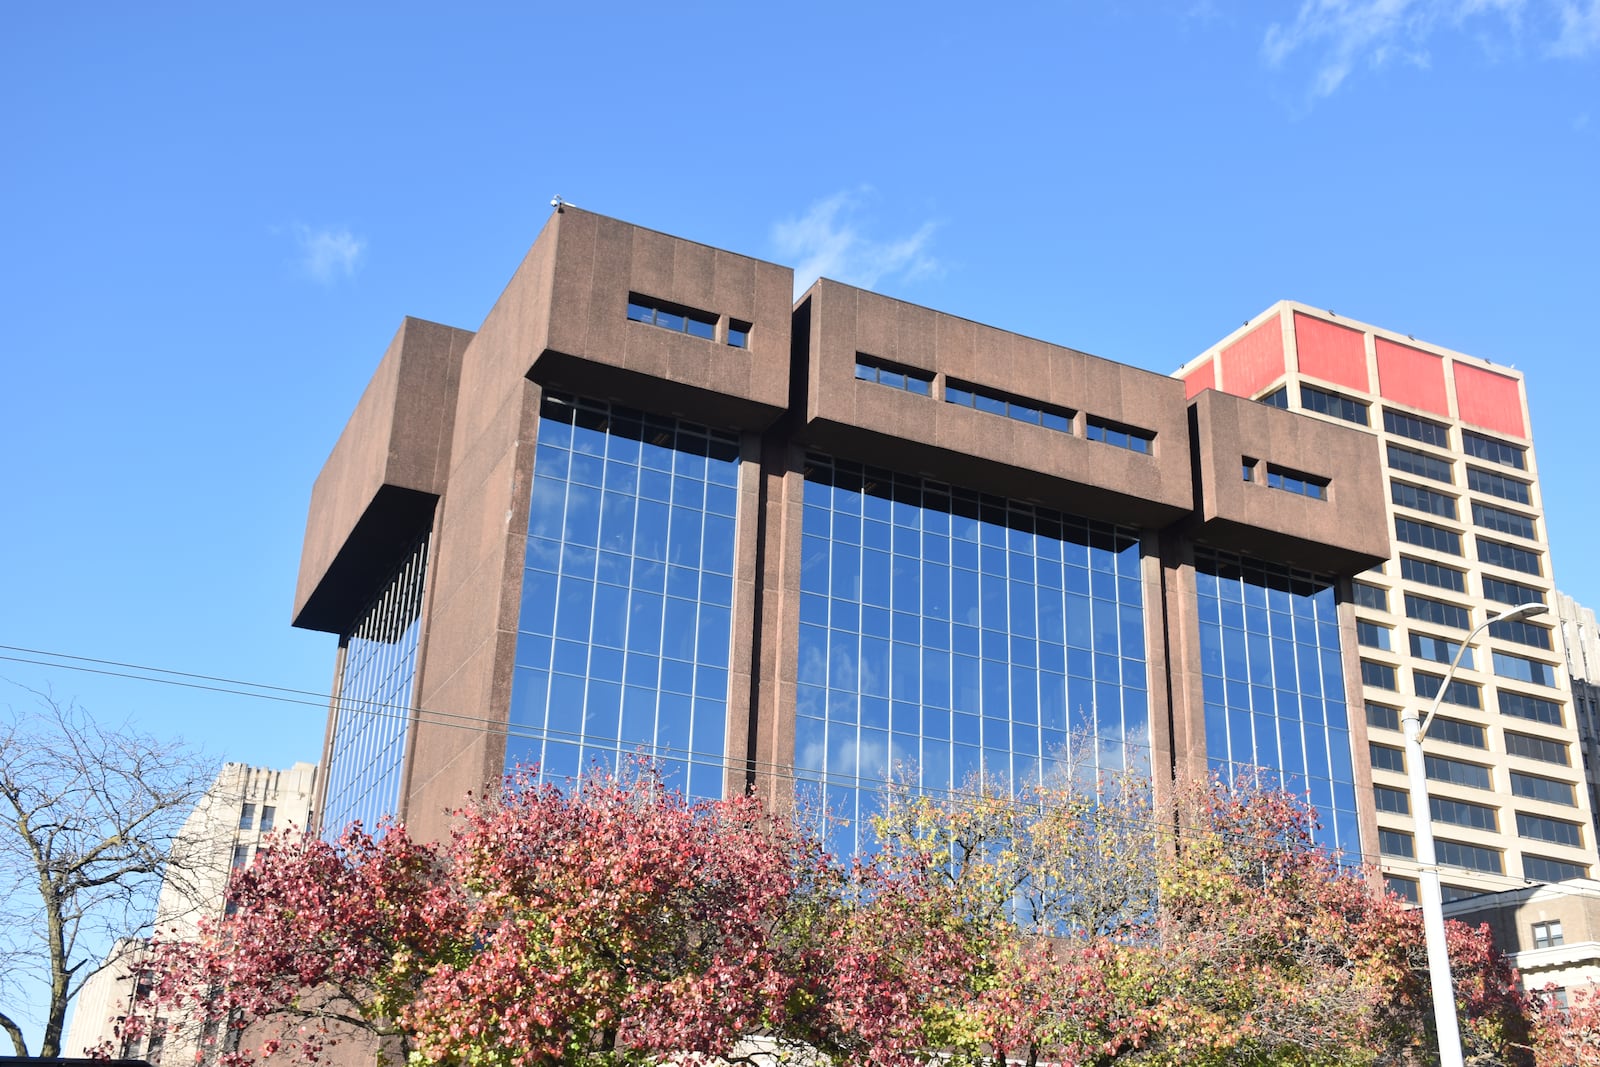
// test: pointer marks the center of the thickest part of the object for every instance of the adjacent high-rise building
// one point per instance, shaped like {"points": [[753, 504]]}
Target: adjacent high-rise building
{"points": [[1581, 636], [1464, 507], [242, 807], [655, 504]]}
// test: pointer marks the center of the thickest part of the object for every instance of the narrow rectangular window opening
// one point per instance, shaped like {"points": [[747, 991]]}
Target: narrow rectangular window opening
{"points": [[1121, 435]]}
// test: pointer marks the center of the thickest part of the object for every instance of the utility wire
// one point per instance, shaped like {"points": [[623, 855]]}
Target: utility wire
{"points": [[458, 720]]}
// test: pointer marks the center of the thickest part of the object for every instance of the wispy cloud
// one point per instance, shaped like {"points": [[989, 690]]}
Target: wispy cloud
{"points": [[329, 253], [1334, 37], [828, 241]]}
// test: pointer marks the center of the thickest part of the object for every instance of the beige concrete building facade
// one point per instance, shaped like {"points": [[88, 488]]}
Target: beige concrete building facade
{"points": [[1550, 932], [229, 824], [1463, 504]]}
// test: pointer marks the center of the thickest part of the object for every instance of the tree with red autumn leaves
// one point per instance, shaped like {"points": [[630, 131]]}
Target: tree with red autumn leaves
{"points": [[614, 922]]}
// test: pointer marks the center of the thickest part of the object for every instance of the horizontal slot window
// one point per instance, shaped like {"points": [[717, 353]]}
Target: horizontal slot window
{"points": [[1017, 408], [675, 317], [895, 376], [1463, 813], [1425, 430], [1514, 593], [1456, 772], [1502, 521], [1482, 481], [1558, 831], [1537, 748], [1534, 709], [1379, 675], [1510, 557], [1278, 398], [1395, 843], [1122, 436], [738, 334], [1420, 464], [1435, 574], [1438, 649], [1295, 482], [1426, 535], [1393, 801], [1426, 609], [1420, 499], [1371, 635], [1472, 857], [1522, 669], [1544, 869], [1383, 716], [1523, 633], [1387, 758], [1491, 450], [1533, 787], [1326, 403], [1371, 596], [1461, 694], [1456, 732]]}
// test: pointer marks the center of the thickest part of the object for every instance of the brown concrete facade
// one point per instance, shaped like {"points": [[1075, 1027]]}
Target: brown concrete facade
{"points": [[563, 326]]}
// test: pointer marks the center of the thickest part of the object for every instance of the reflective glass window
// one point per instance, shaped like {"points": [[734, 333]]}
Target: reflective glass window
{"points": [[1509, 556], [1418, 429], [1514, 593], [627, 596], [1502, 521], [1541, 828], [377, 675], [1421, 464], [967, 633], [1538, 748], [1482, 481], [1478, 446], [1435, 574], [1463, 813], [1533, 787], [1273, 673], [1420, 499], [1544, 869], [1535, 709]]}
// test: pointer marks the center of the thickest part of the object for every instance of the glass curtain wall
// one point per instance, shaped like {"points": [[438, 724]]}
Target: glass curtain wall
{"points": [[1273, 682], [373, 709], [627, 595], [945, 632]]}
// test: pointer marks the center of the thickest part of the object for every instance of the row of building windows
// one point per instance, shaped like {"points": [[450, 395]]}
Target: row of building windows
{"points": [[1290, 481], [1417, 498], [1008, 405], [680, 318]]}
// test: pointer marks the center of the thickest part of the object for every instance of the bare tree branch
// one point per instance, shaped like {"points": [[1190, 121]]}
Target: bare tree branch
{"points": [[88, 814]]}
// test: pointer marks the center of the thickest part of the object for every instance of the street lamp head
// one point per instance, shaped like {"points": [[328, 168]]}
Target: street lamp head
{"points": [[1522, 611]]}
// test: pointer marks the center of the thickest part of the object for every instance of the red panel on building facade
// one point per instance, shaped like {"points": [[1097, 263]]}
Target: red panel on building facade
{"points": [[1254, 360], [1331, 352], [1490, 400], [1413, 377], [1202, 377]]}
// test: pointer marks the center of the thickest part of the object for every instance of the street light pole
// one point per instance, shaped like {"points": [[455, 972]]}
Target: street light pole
{"points": [[1428, 891]]}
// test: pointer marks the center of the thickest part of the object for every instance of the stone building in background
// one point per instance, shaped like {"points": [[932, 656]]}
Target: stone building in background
{"points": [[227, 827]]}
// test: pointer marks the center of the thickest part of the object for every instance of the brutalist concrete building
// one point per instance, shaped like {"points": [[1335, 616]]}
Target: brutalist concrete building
{"points": [[656, 504]]}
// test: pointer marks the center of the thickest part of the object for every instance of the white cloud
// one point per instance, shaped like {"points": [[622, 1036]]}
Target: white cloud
{"points": [[827, 241], [1332, 38], [1580, 29], [330, 253]]}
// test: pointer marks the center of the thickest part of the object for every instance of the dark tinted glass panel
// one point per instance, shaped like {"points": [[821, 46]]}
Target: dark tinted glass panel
{"points": [[1130, 437], [1487, 448], [1502, 521], [1523, 633], [1462, 694], [1524, 670], [1534, 787], [1456, 732], [1457, 892], [1427, 609], [1383, 716], [1294, 482], [1016, 408], [1435, 574], [1420, 464], [1543, 869], [1426, 535], [1462, 813], [1371, 596], [1439, 649], [1522, 706], [1499, 485], [1418, 429], [1395, 843], [1514, 593], [1459, 772], [1542, 829], [909, 379], [1387, 758], [1371, 635], [1278, 398], [1404, 888], [1394, 801], [1378, 675], [1472, 857], [1538, 748], [1326, 403], [1420, 499]]}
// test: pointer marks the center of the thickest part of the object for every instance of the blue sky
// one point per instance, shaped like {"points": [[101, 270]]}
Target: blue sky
{"points": [[219, 214]]}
